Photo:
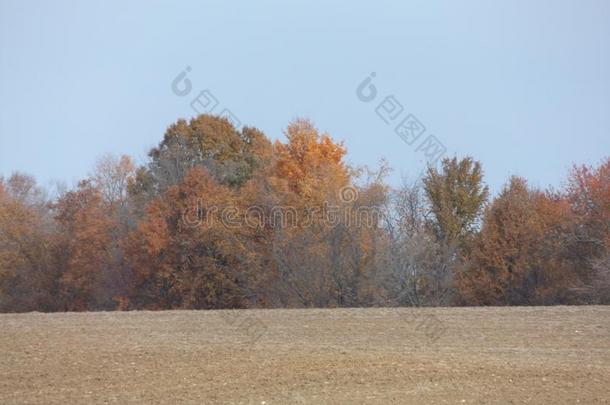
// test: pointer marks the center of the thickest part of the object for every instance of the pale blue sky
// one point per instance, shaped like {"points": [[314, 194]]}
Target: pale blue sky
{"points": [[523, 86]]}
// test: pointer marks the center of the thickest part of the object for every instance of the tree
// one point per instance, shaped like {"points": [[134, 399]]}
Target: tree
{"points": [[189, 250], [315, 258], [83, 247], [93, 221], [502, 258], [310, 163], [229, 155], [112, 176], [589, 194], [414, 274], [27, 282], [522, 253], [457, 198]]}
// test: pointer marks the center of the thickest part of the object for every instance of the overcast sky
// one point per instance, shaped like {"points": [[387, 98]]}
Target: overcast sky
{"points": [[523, 86]]}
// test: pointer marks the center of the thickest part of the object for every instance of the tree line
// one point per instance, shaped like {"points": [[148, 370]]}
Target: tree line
{"points": [[157, 236]]}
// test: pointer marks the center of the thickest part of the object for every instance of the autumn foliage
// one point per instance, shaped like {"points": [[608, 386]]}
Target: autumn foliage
{"points": [[220, 217]]}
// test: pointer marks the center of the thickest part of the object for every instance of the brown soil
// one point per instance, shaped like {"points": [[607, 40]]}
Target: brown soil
{"points": [[547, 355]]}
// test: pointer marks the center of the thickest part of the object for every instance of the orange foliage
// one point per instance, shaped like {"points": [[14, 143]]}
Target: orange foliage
{"points": [[221, 218], [311, 164], [182, 254], [83, 246]]}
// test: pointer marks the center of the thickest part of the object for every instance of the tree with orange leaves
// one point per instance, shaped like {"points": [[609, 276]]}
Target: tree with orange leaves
{"points": [[521, 256], [589, 195], [27, 279], [231, 156], [92, 221], [310, 163], [189, 251], [318, 260], [82, 247]]}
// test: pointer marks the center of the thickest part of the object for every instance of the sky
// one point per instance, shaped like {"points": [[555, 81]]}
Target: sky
{"points": [[522, 86]]}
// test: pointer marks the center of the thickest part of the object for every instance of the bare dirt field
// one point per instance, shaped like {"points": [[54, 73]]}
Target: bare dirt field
{"points": [[332, 356]]}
